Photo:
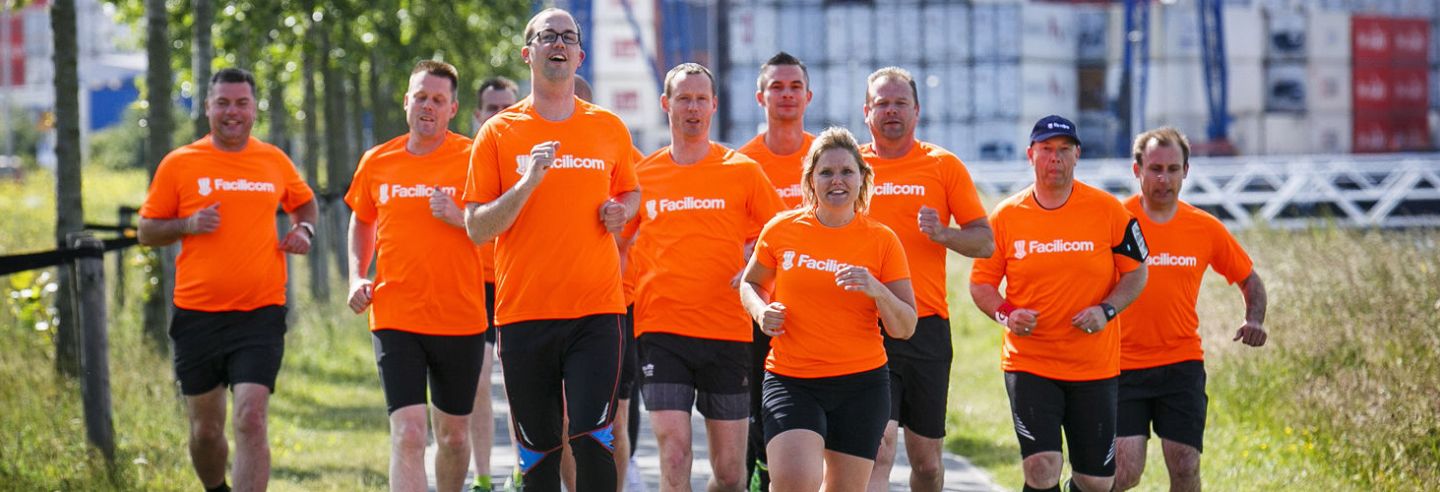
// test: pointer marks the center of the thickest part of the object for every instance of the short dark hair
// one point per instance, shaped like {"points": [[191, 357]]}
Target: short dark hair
{"points": [[894, 73], [439, 69], [233, 75], [498, 83], [689, 68], [781, 58], [1163, 137], [530, 25]]}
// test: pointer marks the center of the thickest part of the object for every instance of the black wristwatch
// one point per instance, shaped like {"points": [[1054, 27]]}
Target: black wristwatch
{"points": [[1109, 311]]}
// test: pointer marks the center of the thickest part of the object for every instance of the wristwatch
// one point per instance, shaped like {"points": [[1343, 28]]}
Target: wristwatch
{"points": [[1109, 311]]}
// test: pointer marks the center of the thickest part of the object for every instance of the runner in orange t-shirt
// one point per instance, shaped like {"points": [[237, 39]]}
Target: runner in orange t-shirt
{"points": [[552, 178], [1162, 368], [919, 189], [218, 196], [495, 94], [1071, 256], [702, 204], [821, 278], [783, 89], [428, 316]]}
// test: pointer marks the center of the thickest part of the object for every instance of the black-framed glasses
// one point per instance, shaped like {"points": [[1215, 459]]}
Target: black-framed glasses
{"points": [[549, 36]]}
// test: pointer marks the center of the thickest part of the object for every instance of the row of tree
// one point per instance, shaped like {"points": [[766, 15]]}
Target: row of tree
{"points": [[331, 75]]}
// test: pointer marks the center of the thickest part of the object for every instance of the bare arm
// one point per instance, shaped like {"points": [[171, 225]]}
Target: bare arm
{"points": [[896, 303], [484, 221], [1092, 319], [755, 297], [973, 239], [162, 232], [298, 240], [1020, 321], [1253, 333], [362, 250]]}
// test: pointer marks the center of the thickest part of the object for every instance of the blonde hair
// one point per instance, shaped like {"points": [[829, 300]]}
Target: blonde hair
{"points": [[836, 138]]}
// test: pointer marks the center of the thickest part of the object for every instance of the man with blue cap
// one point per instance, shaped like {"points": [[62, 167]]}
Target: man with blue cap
{"points": [[1071, 257]]}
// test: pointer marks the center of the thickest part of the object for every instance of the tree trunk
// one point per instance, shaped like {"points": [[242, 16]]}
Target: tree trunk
{"points": [[313, 56], [70, 216], [159, 82], [379, 103], [337, 147], [203, 52]]}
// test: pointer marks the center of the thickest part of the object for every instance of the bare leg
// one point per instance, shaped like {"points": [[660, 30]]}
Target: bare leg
{"points": [[252, 443], [208, 449]]}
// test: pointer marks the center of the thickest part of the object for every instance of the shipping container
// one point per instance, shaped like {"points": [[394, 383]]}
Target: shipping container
{"points": [[1329, 87], [1329, 36], [903, 42], [1286, 134], [946, 31], [1330, 133], [1246, 86], [1286, 34], [1286, 86]]}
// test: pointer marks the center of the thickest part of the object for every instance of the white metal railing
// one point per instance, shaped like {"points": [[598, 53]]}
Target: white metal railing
{"points": [[1395, 190]]}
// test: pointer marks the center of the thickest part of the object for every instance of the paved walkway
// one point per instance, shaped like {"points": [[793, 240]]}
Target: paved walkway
{"points": [[960, 475]]}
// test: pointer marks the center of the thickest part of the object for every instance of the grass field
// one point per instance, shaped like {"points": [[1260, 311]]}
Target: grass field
{"points": [[1345, 396]]}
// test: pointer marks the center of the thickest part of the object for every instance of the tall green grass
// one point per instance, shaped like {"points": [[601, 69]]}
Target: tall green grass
{"points": [[1345, 396], [328, 426]]}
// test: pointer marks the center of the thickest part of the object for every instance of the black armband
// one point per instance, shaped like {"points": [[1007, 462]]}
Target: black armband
{"points": [[1133, 246]]}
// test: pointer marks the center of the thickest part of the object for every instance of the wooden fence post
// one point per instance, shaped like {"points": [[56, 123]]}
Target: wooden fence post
{"points": [[94, 343], [126, 214]]}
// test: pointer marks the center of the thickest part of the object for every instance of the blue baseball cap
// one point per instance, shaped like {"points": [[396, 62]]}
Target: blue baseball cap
{"points": [[1053, 126]]}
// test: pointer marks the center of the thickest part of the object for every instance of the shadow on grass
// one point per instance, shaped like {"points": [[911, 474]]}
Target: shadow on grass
{"points": [[329, 474], [327, 416], [983, 453], [332, 375]]}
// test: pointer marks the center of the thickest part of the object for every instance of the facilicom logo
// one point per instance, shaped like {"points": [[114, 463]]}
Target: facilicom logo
{"points": [[791, 259], [567, 161], [654, 208], [210, 185], [1167, 259], [792, 191], [1024, 248], [388, 191], [1055, 124], [892, 189]]}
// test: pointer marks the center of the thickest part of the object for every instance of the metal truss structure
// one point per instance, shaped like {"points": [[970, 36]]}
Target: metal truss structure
{"points": [[1287, 192]]}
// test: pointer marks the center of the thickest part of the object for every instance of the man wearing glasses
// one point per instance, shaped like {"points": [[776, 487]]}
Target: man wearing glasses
{"points": [[551, 178]]}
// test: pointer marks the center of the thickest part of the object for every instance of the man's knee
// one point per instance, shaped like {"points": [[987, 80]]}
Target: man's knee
{"points": [[1087, 483], [453, 438], [250, 419], [207, 433], [1129, 461], [1042, 470], [730, 479], [407, 435]]}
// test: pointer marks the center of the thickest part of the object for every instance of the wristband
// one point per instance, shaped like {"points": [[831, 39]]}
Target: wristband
{"points": [[1002, 313], [1109, 311], [310, 228]]}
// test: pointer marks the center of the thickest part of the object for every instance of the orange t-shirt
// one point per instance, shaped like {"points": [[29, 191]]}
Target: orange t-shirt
{"points": [[1059, 262], [828, 330], [487, 261], [239, 266], [783, 170], [556, 261], [1161, 325], [426, 271], [933, 177], [690, 242]]}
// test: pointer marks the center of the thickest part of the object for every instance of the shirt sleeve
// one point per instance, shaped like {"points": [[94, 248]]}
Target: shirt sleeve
{"points": [[163, 199], [764, 250], [964, 200], [893, 263], [297, 193], [482, 180], [623, 177], [989, 271], [358, 196], [1227, 257], [764, 201]]}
